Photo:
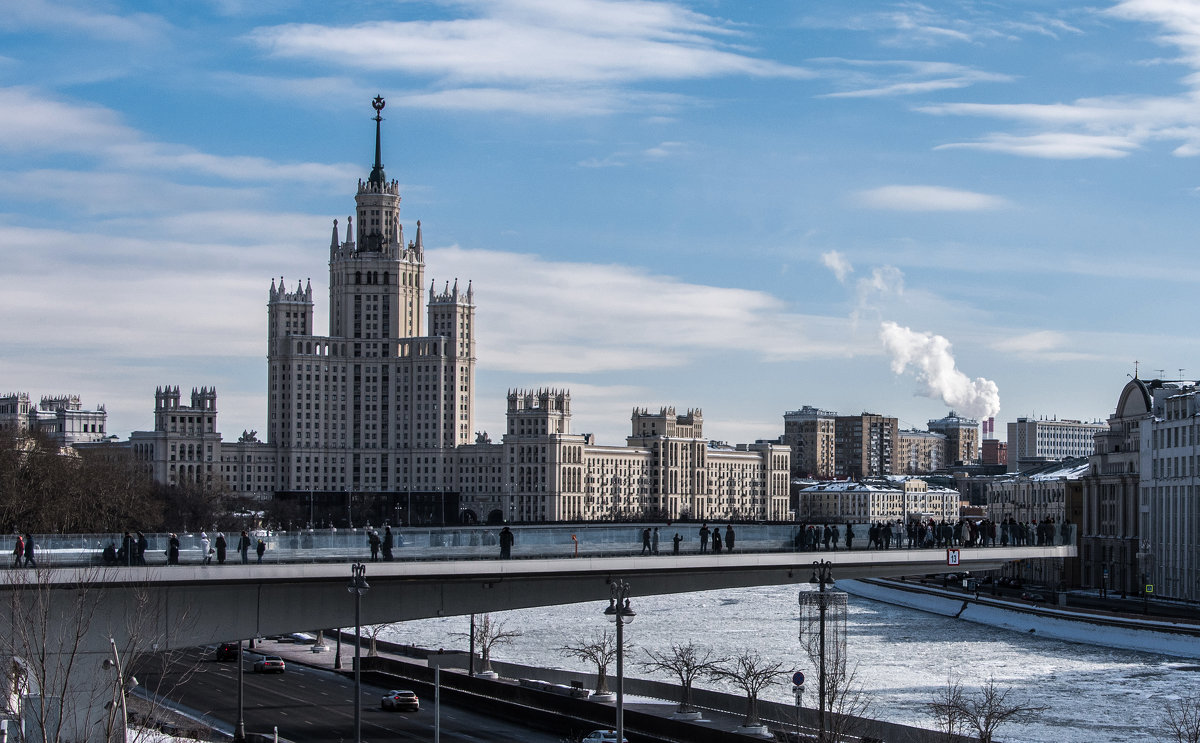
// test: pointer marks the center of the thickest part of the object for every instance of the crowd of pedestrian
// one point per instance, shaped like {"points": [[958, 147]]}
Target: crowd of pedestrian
{"points": [[932, 533]]}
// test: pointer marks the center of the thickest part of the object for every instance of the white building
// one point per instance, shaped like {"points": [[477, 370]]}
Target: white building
{"points": [[185, 445], [878, 500], [1034, 442], [1169, 498], [60, 417]]}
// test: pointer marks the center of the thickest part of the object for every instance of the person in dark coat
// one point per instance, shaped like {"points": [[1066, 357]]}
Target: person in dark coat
{"points": [[18, 551], [128, 552], [506, 543], [388, 543], [675, 547], [704, 537], [716, 539], [29, 563], [646, 541], [143, 544], [173, 549], [260, 549], [244, 547], [373, 541], [221, 546], [849, 535], [729, 537]]}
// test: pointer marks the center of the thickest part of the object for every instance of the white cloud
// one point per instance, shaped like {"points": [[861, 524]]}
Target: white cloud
{"points": [[1053, 145], [34, 122], [876, 78], [836, 262], [1042, 345], [82, 18], [928, 199], [567, 57]]}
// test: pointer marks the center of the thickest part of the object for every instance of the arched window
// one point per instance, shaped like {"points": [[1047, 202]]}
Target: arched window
{"points": [[358, 277]]}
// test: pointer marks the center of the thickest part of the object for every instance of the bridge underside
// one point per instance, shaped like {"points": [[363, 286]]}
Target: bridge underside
{"points": [[183, 606]]}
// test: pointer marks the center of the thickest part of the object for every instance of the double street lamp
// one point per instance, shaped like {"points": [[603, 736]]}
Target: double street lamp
{"points": [[822, 576], [620, 612], [358, 586]]}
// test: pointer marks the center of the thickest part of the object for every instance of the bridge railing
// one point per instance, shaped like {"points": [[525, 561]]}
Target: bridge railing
{"points": [[532, 541]]}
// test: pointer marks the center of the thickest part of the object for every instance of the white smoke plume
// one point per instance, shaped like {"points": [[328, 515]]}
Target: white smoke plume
{"points": [[934, 367]]}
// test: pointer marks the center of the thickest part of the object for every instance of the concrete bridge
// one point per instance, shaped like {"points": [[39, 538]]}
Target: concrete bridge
{"points": [[62, 619]]}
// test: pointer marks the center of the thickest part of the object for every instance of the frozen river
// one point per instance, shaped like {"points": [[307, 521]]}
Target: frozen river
{"points": [[1094, 694]]}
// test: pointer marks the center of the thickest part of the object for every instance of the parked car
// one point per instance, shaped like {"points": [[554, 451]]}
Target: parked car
{"points": [[301, 638], [400, 699], [603, 736], [1036, 598], [227, 651], [269, 664]]}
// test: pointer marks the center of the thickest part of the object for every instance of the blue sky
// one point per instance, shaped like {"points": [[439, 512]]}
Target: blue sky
{"points": [[895, 207]]}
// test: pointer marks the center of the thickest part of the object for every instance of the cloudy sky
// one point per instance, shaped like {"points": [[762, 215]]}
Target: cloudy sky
{"points": [[895, 207]]}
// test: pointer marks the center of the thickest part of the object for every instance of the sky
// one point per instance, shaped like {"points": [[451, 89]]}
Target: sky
{"points": [[895, 207]]}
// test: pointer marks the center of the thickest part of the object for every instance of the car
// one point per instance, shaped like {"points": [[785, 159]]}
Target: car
{"points": [[400, 699], [1036, 598], [603, 736], [269, 664], [300, 638], [227, 651]]}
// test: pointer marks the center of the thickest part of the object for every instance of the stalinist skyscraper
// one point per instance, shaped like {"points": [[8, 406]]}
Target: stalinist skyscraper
{"points": [[374, 406]]}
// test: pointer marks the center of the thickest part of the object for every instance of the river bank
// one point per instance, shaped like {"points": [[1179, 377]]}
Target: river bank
{"points": [[1175, 638]]}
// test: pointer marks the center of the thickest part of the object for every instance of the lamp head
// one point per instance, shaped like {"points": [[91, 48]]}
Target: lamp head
{"points": [[611, 611]]}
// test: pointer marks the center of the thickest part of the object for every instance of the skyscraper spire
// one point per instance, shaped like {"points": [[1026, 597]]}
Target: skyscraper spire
{"points": [[377, 176]]}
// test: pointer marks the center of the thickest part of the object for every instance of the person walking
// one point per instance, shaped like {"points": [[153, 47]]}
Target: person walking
{"points": [[704, 537], [849, 535], [388, 543], [506, 543], [729, 537], [260, 549], [18, 551], [654, 542], [244, 547], [205, 549], [173, 549], [29, 563], [716, 540], [646, 540], [143, 544], [128, 551], [221, 547], [675, 547]]}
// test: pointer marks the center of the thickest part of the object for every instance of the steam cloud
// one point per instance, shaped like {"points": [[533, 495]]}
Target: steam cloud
{"points": [[934, 367]]}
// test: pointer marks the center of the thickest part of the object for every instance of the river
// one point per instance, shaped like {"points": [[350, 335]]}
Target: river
{"points": [[903, 657]]}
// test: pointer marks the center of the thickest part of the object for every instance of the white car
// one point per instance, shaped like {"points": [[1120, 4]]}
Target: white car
{"points": [[603, 736]]}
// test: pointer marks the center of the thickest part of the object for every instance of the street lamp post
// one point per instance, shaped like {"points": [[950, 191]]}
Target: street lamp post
{"points": [[358, 586], [239, 734], [620, 612], [822, 576], [119, 691]]}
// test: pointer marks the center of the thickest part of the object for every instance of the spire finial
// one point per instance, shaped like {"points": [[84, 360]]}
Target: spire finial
{"points": [[377, 175]]}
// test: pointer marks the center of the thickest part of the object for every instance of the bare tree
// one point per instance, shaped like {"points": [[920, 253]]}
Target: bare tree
{"points": [[68, 642], [751, 673], [687, 663], [983, 713], [1181, 720], [373, 632], [488, 635], [848, 703], [946, 708], [599, 650]]}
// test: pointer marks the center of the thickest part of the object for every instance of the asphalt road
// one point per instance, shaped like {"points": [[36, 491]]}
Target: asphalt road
{"points": [[314, 705]]}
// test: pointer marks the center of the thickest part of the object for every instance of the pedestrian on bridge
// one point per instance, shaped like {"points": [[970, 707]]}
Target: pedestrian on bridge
{"points": [[654, 541], [29, 563], [244, 547], [388, 543], [506, 543], [205, 549], [222, 546], [676, 539], [373, 543], [729, 537], [18, 551], [143, 544], [260, 549], [173, 549], [704, 537], [716, 537], [646, 541]]}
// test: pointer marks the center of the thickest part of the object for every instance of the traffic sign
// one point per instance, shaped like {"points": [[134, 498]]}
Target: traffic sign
{"points": [[1149, 588], [798, 678], [952, 557]]}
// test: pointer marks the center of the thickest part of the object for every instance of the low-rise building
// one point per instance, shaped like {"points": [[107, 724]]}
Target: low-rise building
{"points": [[878, 499]]}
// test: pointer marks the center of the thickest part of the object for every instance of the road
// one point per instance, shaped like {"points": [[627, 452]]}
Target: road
{"points": [[310, 704]]}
